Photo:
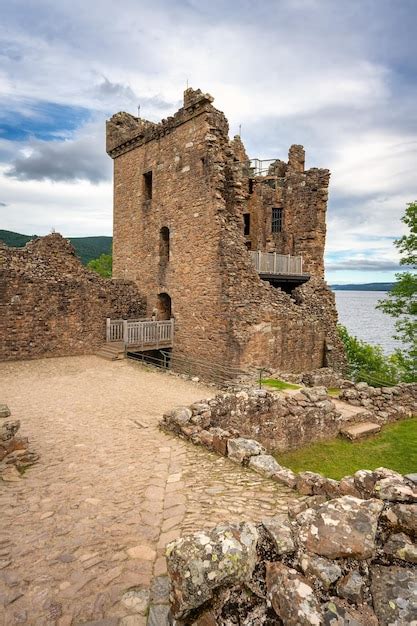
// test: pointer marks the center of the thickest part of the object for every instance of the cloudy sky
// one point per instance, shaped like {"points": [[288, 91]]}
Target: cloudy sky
{"points": [[337, 76]]}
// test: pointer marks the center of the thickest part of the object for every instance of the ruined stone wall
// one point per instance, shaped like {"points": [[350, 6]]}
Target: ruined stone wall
{"points": [[51, 305], [302, 195], [223, 311]]}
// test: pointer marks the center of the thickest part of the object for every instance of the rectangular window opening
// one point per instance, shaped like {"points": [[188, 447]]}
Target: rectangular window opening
{"points": [[246, 223], [147, 185], [277, 220]]}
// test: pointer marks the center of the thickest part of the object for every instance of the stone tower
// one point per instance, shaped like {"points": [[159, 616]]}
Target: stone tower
{"points": [[192, 217]]}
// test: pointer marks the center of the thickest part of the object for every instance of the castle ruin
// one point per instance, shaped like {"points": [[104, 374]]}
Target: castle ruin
{"points": [[230, 248]]}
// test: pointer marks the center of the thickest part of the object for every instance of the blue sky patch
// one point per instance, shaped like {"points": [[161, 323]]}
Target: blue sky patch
{"points": [[44, 120]]}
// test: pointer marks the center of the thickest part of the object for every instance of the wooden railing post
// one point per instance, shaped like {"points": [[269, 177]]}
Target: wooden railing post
{"points": [[107, 329], [125, 332]]}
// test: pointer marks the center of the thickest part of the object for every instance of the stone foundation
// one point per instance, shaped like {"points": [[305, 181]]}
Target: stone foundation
{"points": [[386, 404], [51, 305]]}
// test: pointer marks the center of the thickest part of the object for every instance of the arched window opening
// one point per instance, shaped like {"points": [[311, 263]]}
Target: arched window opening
{"points": [[164, 306]]}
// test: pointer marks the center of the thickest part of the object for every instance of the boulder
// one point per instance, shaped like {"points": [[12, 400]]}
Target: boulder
{"points": [[402, 517], [202, 562], [9, 429], [340, 613], [315, 394], [319, 569], [395, 489], [341, 528], [280, 531], [4, 410], [309, 483], [394, 594], [180, 416], [292, 598], [352, 587], [401, 547], [264, 464], [285, 477], [240, 450]]}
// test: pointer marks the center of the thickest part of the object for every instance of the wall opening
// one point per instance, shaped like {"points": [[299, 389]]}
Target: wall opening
{"points": [[277, 219], [246, 224], [164, 306], [164, 245], [147, 186]]}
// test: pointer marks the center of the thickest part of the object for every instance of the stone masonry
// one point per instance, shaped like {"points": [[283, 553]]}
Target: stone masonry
{"points": [[51, 305], [182, 195]]}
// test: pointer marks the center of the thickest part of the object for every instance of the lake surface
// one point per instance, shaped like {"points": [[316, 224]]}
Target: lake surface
{"points": [[358, 313]]}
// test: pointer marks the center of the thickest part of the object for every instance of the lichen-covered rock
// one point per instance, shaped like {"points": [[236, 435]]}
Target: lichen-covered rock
{"points": [[309, 483], [347, 487], [240, 450], [180, 416], [202, 562], [319, 569], [280, 530], [315, 394], [285, 477], [341, 528], [395, 489], [340, 613], [352, 587], [264, 464], [402, 517], [9, 429], [292, 598], [4, 410], [394, 594], [401, 547]]}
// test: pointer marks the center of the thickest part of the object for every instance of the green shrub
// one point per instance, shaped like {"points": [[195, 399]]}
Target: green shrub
{"points": [[102, 265]]}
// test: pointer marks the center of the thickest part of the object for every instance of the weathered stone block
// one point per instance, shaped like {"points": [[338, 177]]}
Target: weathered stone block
{"points": [[200, 563], [264, 464], [240, 450], [291, 596], [341, 528]]}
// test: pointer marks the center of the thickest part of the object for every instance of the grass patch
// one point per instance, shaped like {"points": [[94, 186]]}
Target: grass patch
{"points": [[279, 384], [334, 392], [394, 447]]}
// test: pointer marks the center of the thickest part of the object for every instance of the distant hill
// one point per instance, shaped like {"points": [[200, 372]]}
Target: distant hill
{"points": [[87, 248], [364, 287]]}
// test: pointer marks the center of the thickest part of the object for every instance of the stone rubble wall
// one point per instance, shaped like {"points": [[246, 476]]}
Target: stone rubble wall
{"points": [[344, 561], [386, 404], [51, 305], [15, 455], [280, 422]]}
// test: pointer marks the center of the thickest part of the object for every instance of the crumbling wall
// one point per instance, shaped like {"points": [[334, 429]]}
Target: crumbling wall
{"points": [[51, 305]]}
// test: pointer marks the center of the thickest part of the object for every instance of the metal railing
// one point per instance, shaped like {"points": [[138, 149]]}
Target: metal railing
{"points": [[142, 333], [273, 263]]}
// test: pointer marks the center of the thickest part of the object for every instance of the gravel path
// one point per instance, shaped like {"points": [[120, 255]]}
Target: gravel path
{"points": [[91, 519]]}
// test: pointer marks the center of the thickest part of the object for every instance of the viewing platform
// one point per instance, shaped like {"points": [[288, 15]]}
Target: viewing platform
{"points": [[280, 270], [141, 334]]}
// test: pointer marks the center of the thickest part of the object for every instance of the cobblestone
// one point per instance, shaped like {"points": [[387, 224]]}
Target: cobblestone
{"points": [[90, 520]]}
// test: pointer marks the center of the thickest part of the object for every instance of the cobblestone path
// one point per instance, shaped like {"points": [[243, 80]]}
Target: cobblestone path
{"points": [[91, 519]]}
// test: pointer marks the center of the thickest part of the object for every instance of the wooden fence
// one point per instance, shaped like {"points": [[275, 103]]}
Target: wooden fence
{"points": [[142, 334], [273, 263]]}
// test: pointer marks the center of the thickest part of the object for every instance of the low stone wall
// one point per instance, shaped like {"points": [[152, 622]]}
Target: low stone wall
{"points": [[386, 404], [51, 305], [278, 421], [220, 423], [345, 561], [15, 455]]}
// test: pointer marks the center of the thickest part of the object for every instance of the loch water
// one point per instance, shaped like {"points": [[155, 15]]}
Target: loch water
{"points": [[357, 311]]}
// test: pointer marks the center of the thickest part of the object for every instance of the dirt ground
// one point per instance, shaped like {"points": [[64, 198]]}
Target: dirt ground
{"points": [[92, 518]]}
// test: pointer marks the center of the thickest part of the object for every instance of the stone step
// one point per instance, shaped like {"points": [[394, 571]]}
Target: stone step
{"points": [[112, 351], [360, 430]]}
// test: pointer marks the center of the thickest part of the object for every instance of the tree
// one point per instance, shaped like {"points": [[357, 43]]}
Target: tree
{"points": [[102, 265], [401, 302], [368, 362]]}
